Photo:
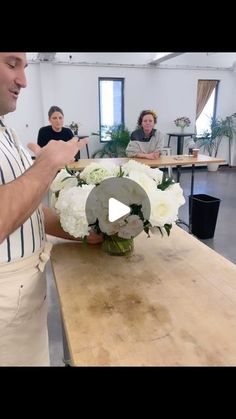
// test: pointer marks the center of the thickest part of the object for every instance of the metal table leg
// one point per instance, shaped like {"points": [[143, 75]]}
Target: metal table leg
{"points": [[191, 200], [66, 353], [178, 169], [179, 221]]}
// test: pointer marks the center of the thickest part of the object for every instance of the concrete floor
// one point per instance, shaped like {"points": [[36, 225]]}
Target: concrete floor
{"points": [[219, 184]]}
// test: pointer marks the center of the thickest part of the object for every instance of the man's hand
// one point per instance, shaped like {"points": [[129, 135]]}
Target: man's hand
{"points": [[58, 153], [94, 238]]}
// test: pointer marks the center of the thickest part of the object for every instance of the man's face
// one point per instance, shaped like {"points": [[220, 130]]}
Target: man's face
{"points": [[12, 79]]}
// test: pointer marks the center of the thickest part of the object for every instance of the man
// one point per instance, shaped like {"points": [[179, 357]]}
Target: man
{"points": [[23, 227]]}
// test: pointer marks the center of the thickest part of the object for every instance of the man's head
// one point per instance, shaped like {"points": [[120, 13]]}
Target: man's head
{"points": [[12, 79]]}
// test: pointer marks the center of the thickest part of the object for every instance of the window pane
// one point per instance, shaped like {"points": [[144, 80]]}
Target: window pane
{"points": [[203, 123], [111, 105], [208, 114]]}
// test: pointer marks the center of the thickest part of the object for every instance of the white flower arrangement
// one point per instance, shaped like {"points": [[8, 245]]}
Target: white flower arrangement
{"points": [[182, 122], [70, 192]]}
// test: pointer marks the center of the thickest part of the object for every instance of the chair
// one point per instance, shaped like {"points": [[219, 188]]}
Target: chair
{"points": [[77, 156], [167, 151], [87, 149]]}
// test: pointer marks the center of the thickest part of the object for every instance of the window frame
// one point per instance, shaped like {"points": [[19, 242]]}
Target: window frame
{"points": [[216, 100], [214, 105], [122, 80]]}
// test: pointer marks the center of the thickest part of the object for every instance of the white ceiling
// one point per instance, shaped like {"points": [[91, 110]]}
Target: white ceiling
{"points": [[202, 59]]}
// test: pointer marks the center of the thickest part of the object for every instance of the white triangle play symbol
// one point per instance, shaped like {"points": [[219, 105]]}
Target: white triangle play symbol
{"points": [[116, 210]]}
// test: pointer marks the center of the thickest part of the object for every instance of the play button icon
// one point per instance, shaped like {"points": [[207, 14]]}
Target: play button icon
{"points": [[118, 205], [117, 210]]}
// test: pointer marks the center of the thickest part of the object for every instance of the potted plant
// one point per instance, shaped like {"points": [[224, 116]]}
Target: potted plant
{"points": [[116, 146], [211, 140], [231, 120]]}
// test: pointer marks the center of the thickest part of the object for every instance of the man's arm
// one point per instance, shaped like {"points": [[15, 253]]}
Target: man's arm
{"points": [[20, 198], [53, 227]]}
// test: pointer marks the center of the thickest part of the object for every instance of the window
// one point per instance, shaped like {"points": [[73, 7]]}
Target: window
{"points": [[206, 99], [111, 105]]}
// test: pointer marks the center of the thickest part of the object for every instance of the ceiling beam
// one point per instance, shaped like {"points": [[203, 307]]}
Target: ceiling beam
{"points": [[163, 56]]}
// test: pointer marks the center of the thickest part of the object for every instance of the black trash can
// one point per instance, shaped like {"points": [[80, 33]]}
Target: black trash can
{"points": [[204, 215]]}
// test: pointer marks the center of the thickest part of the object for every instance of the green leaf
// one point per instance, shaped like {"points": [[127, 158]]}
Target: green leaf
{"points": [[166, 182], [71, 172], [168, 227], [116, 146]]}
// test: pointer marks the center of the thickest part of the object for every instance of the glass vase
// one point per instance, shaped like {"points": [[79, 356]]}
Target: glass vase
{"points": [[117, 246]]}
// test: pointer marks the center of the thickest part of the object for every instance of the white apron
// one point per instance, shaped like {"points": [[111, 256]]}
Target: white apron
{"points": [[23, 311]]}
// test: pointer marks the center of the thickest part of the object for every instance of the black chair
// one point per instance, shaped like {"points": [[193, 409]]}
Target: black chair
{"points": [[77, 156]]}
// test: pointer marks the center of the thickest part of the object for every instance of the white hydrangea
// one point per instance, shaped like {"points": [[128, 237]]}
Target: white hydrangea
{"points": [[63, 180], [71, 208], [95, 173]]}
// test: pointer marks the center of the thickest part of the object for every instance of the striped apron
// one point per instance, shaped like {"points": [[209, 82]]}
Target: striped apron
{"points": [[23, 311]]}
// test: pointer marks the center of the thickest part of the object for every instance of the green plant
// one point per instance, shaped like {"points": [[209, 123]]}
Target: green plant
{"points": [[231, 122], [116, 146], [211, 140]]}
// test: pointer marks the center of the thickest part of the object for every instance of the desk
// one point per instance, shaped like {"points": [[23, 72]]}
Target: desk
{"points": [[171, 302], [162, 161], [180, 139]]}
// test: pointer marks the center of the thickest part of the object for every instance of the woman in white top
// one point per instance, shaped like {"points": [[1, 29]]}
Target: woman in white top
{"points": [[146, 142]]}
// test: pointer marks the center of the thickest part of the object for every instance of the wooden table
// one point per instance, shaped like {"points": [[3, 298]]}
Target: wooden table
{"points": [[163, 161], [172, 302]]}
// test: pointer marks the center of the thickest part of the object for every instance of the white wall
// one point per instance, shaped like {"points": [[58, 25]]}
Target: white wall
{"points": [[170, 92]]}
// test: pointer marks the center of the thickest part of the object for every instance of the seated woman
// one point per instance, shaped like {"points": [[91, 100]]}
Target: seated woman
{"points": [[55, 131], [146, 142]]}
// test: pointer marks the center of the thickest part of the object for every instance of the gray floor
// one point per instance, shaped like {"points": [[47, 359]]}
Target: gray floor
{"points": [[221, 184]]}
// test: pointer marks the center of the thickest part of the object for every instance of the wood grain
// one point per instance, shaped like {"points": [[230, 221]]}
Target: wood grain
{"points": [[172, 302]]}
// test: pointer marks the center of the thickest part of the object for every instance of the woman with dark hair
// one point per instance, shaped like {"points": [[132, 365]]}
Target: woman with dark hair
{"points": [[146, 142], [55, 131]]}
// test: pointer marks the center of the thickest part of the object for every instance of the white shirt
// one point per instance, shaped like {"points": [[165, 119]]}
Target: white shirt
{"points": [[28, 238], [154, 143]]}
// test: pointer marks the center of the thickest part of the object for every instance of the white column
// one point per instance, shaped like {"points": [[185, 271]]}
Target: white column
{"points": [[47, 88]]}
